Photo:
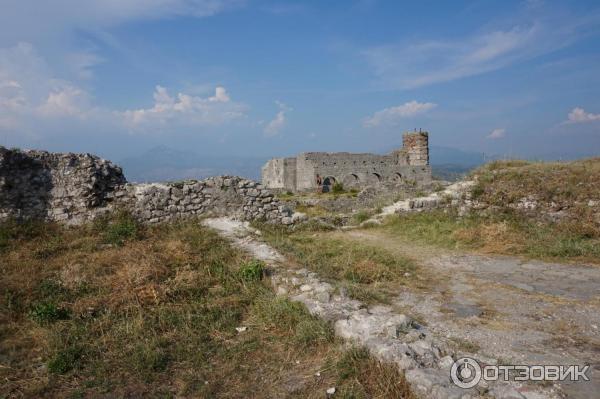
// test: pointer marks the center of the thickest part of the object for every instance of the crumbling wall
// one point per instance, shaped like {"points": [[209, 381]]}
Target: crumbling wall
{"points": [[73, 188], [215, 196], [44, 185]]}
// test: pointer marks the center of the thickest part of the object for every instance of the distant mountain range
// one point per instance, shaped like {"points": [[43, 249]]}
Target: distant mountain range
{"points": [[167, 164], [451, 163]]}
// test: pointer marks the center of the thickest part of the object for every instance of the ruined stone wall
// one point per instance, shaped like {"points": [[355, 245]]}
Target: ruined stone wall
{"points": [[290, 173], [272, 173], [280, 173], [215, 196], [73, 188], [305, 173], [43, 185], [365, 170]]}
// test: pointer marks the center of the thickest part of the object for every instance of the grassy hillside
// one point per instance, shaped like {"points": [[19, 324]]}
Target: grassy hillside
{"points": [[540, 210], [114, 309], [553, 186]]}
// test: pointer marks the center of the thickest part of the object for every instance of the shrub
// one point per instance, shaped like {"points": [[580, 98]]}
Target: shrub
{"points": [[252, 270], [65, 360], [338, 188], [48, 312]]}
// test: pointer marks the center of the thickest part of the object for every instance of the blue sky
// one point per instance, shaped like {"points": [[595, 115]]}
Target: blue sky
{"points": [[235, 77]]}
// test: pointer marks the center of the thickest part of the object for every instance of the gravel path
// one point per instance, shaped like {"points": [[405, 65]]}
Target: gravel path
{"points": [[515, 311]]}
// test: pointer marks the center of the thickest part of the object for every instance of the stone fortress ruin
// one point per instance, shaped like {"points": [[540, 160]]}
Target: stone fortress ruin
{"points": [[320, 171], [73, 188]]}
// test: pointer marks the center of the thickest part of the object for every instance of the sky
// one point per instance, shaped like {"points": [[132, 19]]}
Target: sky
{"points": [[274, 78]]}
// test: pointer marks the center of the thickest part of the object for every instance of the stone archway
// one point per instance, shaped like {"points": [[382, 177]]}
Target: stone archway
{"points": [[397, 178], [373, 179], [351, 181], [328, 183]]}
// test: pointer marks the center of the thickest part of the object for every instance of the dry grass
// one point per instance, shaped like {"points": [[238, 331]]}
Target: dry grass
{"points": [[561, 182], [502, 233], [570, 189], [554, 187], [119, 310]]}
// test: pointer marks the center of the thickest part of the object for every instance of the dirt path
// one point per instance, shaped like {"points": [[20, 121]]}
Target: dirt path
{"points": [[425, 357], [506, 309]]}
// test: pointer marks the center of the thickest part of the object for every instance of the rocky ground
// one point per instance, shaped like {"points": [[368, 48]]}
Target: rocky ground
{"points": [[506, 309], [497, 310]]}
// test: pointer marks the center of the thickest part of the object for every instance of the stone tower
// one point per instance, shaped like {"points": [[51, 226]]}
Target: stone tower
{"points": [[416, 145]]}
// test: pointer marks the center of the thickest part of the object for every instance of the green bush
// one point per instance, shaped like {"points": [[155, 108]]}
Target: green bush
{"points": [[252, 270], [65, 360], [122, 228], [338, 188], [48, 312]]}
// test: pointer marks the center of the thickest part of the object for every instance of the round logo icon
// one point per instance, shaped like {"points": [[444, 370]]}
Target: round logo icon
{"points": [[465, 372]]}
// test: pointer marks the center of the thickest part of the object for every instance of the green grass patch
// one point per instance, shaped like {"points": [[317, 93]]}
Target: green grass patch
{"points": [[363, 215], [252, 270], [292, 318], [118, 228], [338, 188], [47, 312]]}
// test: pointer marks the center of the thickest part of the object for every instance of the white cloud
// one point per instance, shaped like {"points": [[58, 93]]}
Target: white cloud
{"points": [[185, 109], [31, 95], [578, 115], [390, 116], [496, 134], [65, 101], [275, 126], [413, 63]]}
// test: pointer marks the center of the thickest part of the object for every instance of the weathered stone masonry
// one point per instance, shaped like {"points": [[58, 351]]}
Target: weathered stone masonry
{"points": [[73, 188], [406, 166]]}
